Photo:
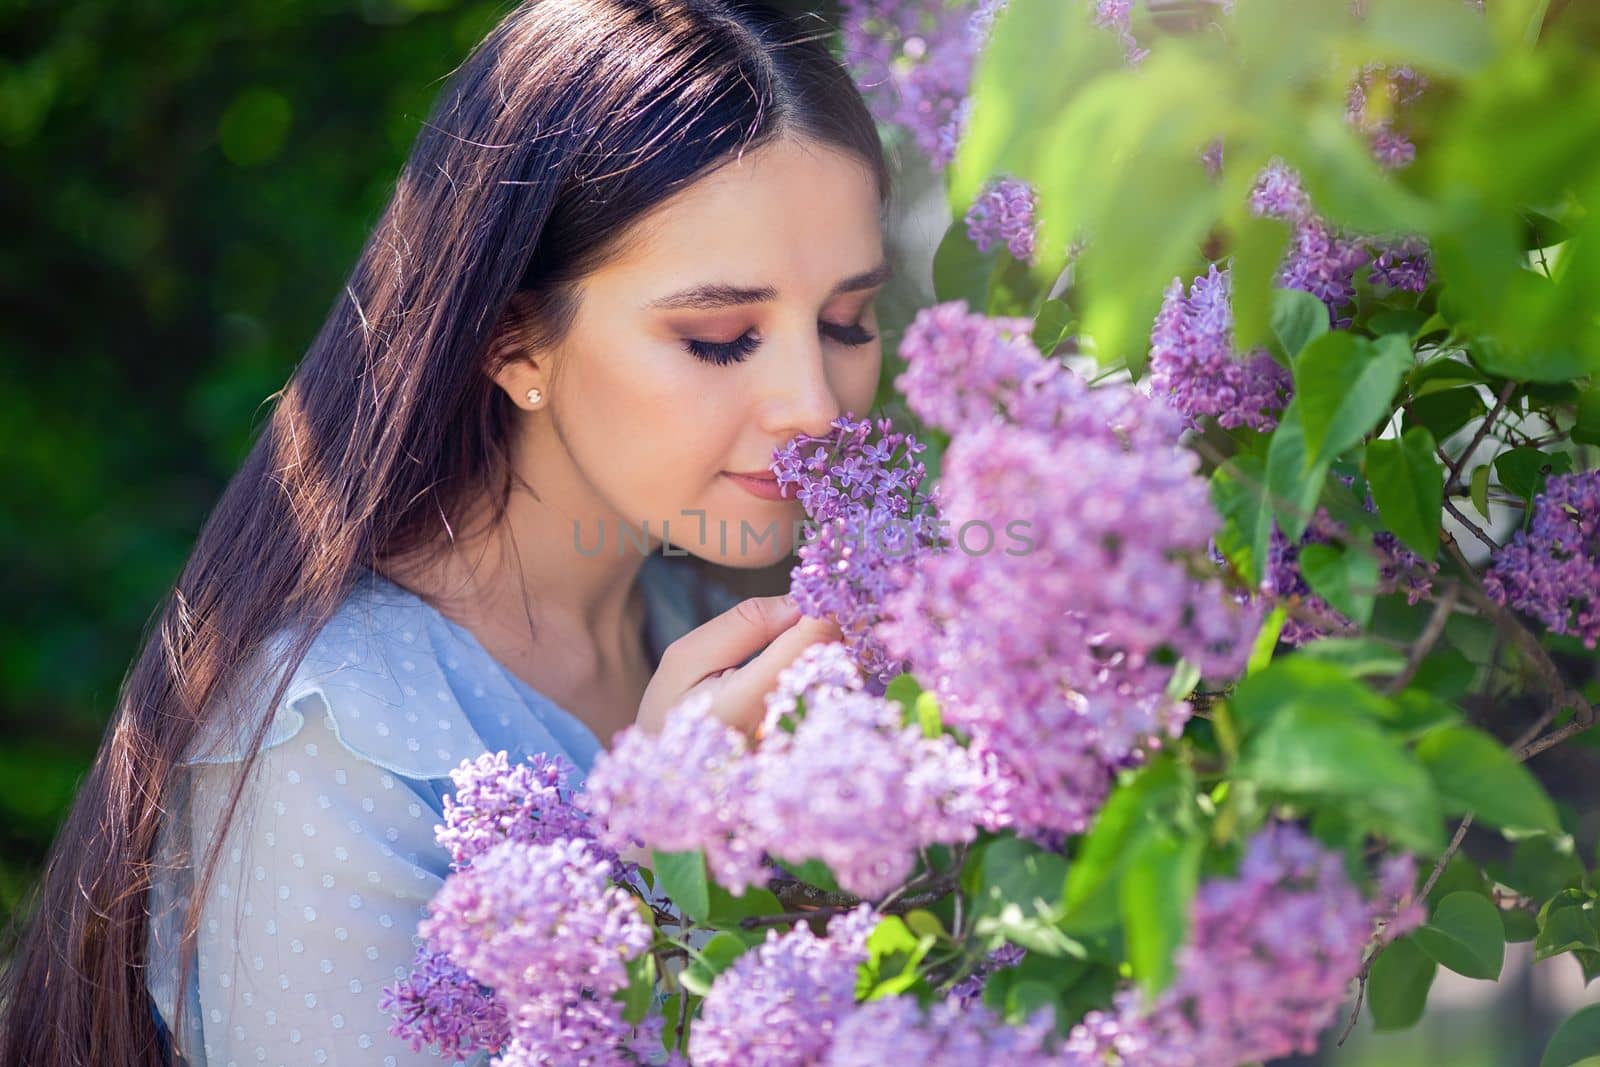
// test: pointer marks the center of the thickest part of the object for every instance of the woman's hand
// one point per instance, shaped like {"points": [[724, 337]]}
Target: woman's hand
{"points": [[708, 657]]}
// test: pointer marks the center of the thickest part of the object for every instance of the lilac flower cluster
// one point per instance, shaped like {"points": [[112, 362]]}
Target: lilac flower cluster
{"points": [[1324, 261], [1268, 958], [1551, 570], [682, 789], [492, 803], [829, 750], [1321, 260], [896, 1030], [1054, 660], [913, 61], [1195, 367], [495, 802], [1399, 569], [1003, 214], [965, 992], [779, 1003], [1402, 263], [848, 752], [540, 925], [1400, 87], [859, 487], [438, 1002]]}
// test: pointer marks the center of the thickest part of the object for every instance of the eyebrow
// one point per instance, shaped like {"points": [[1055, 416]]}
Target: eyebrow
{"points": [[714, 295]]}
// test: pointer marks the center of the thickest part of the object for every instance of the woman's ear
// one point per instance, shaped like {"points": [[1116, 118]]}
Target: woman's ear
{"points": [[516, 366]]}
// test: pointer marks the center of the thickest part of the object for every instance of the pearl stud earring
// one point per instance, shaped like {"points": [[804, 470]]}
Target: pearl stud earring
{"points": [[535, 396]]}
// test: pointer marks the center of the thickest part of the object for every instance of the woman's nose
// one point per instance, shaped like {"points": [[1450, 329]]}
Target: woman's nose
{"points": [[803, 400]]}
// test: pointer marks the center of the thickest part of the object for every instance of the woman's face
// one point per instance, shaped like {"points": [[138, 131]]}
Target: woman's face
{"points": [[741, 314]]}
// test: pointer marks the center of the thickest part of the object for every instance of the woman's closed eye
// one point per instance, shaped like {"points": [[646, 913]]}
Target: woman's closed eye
{"points": [[725, 352]]}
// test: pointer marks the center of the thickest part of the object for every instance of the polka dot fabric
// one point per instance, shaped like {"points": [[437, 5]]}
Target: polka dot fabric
{"points": [[331, 859]]}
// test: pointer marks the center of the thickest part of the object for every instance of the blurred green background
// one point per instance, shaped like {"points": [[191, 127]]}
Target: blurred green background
{"points": [[189, 186]]}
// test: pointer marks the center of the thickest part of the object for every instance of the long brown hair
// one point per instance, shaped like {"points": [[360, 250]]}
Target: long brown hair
{"points": [[570, 121]]}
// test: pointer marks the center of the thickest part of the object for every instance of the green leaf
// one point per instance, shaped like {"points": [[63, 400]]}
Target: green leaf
{"points": [[1542, 866], [1586, 430], [1521, 925], [1465, 934], [1256, 246], [1163, 871], [1294, 482], [960, 271], [1522, 470], [1142, 800], [1314, 749], [640, 991], [1054, 322], [1298, 318], [1266, 642], [1357, 657], [893, 953], [903, 690], [1303, 677], [1528, 363], [1480, 489], [1397, 987], [682, 876], [1474, 772], [927, 711], [718, 953], [1566, 924], [1346, 578], [1443, 413], [1238, 492], [726, 909], [1345, 386], [1575, 1041], [1408, 487], [1021, 873]]}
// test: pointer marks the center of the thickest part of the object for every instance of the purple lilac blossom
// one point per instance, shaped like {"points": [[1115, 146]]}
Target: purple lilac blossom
{"points": [[849, 753], [1195, 367], [495, 802], [777, 1005], [966, 992], [829, 750], [859, 488], [896, 1030], [1399, 569], [1551, 569], [913, 61], [540, 926], [1054, 657], [684, 788], [1403, 263], [439, 1003], [1264, 969], [1401, 87], [1321, 260], [1003, 214]]}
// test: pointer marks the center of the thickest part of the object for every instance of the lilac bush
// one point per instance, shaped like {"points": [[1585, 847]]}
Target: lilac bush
{"points": [[1551, 570]]}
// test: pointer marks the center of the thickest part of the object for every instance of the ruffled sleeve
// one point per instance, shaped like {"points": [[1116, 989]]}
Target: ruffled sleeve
{"points": [[331, 859]]}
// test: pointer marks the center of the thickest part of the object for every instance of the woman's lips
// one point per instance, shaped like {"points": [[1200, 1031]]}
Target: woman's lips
{"points": [[765, 488]]}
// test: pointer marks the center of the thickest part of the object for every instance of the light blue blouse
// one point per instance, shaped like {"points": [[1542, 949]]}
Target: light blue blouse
{"points": [[331, 858]]}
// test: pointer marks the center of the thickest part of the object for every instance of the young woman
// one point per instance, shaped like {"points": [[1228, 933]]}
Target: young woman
{"points": [[634, 250]]}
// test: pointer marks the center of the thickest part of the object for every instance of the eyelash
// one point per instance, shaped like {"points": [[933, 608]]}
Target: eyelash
{"points": [[722, 354]]}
